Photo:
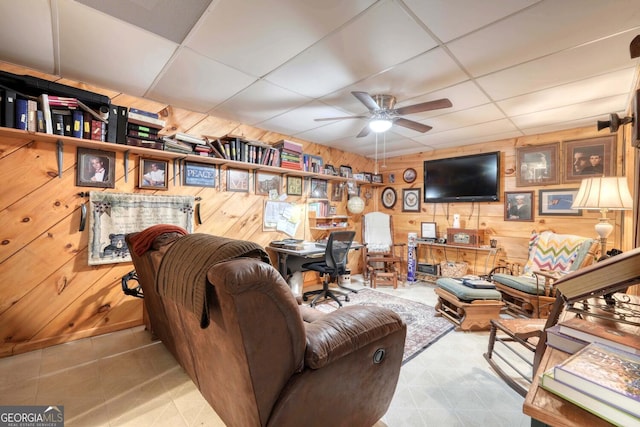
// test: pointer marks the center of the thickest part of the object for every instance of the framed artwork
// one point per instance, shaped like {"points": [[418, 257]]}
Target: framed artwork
{"points": [[346, 171], [330, 170], [409, 175], [428, 230], [267, 182], [557, 202], [589, 157], [635, 131], [411, 200], [199, 174], [319, 188], [389, 197], [376, 178], [294, 186], [154, 174], [537, 165], [352, 188], [238, 180], [518, 206], [337, 188], [96, 168]]}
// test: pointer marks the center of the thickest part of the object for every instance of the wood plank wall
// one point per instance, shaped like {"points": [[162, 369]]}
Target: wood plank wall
{"points": [[50, 295]]}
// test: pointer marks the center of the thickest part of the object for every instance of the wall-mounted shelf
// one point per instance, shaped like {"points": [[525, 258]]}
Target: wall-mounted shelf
{"points": [[23, 135]]}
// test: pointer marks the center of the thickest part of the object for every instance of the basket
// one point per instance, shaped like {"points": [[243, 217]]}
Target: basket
{"points": [[453, 269]]}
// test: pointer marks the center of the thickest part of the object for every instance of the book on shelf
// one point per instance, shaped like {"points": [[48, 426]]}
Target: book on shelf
{"points": [[141, 119], [112, 125], [78, 123], [597, 407], [289, 145], [32, 121], [121, 136], [157, 145], [605, 373], [9, 108], [144, 113], [22, 114], [98, 130], [188, 138], [605, 332], [563, 342], [86, 131], [63, 101]]}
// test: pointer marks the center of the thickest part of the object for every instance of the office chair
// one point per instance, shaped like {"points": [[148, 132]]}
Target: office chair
{"points": [[334, 265]]}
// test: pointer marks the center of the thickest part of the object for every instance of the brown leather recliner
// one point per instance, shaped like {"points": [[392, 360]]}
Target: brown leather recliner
{"points": [[256, 355]]}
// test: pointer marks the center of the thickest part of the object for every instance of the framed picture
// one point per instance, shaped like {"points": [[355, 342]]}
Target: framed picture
{"points": [[537, 165], [268, 182], [428, 230], [319, 189], [589, 157], [409, 175], [635, 131], [411, 200], [330, 170], [346, 171], [238, 180], [294, 186], [352, 188], [392, 178], [96, 168], [367, 176], [518, 206], [376, 178], [199, 174], [389, 197], [337, 189], [154, 174], [557, 202]]}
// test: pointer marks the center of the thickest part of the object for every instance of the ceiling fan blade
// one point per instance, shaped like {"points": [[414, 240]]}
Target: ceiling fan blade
{"points": [[367, 100], [425, 106], [364, 132], [340, 118], [412, 125]]}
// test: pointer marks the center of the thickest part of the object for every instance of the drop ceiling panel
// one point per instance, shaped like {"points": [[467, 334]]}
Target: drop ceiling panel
{"points": [[301, 119], [258, 36], [198, 82], [135, 56], [383, 37], [461, 134], [35, 48], [326, 132]]}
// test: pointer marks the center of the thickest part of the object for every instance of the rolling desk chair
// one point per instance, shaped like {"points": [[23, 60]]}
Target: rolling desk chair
{"points": [[334, 265]]}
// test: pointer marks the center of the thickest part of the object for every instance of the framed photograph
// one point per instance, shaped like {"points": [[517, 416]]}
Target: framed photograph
{"points": [[330, 170], [538, 165], [389, 197], [238, 180], [428, 230], [294, 186], [411, 200], [589, 157], [352, 188], [367, 176], [268, 182], [199, 174], [409, 175], [518, 206], [346, 171], [96, 168], [557, 202], [376, 178], [319, 188], [337, 189], [154, 174]]}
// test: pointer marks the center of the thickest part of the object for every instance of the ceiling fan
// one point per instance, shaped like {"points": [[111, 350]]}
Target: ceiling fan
{"points": [[382, 114]]}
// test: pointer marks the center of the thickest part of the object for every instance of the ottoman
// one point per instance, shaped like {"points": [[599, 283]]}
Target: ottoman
{"points": [[466, 307]]}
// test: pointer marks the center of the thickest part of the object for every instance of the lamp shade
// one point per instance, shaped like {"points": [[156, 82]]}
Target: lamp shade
{"points": [[607, 193], [355, 205]]}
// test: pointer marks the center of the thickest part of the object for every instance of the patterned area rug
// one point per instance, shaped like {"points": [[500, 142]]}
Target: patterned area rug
{"points": [[423, 327]]}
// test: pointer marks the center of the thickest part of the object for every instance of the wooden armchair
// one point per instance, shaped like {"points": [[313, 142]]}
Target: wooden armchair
{"points": [[383, 259], [529, 290]]}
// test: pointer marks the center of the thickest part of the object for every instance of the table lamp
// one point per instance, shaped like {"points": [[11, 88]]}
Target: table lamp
{"points": [[604, 194]]}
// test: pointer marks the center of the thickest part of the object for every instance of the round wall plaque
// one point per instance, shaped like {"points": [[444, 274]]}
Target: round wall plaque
{"points": [[409, 175], [389, 197]]}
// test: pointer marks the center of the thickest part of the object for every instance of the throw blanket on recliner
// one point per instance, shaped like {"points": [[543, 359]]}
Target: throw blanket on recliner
{"points": [[182, 275]]}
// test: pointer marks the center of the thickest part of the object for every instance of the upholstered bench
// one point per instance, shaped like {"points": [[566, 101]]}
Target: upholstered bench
{"points": [[468, 308]]}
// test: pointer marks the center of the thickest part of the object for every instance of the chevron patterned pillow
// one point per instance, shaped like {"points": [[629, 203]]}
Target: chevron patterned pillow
{"points": [[555, 252]]}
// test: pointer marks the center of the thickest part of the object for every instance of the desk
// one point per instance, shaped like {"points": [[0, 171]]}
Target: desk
{"points": [[291, 260], [490, 256]]}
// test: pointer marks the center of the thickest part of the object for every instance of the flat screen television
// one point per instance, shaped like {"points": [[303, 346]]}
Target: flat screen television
{"points": [[473, 178]]}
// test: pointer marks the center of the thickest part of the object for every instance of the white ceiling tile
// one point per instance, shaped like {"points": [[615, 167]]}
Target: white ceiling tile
{"points": [[451, 19], [545, 28], [198, 83], [134, 59], [32, 46], [468, 117], [381, 38], [258, 36], [327, 132], [468, 132], [301, 119]]}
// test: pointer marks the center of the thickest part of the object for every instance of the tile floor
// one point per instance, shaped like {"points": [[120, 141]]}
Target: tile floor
{"points": [[125, 379]]}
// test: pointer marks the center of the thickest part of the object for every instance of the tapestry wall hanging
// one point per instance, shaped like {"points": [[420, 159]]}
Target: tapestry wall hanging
{"points": [[113, 215]]}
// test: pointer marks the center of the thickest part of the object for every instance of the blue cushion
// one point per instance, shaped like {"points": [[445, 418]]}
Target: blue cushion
{"points": [[465, 293]]}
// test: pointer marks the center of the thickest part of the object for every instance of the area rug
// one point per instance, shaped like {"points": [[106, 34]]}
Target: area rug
{"points": [[423, 327]]}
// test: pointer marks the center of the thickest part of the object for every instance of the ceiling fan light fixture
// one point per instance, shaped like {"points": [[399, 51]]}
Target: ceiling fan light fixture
{"points": [[380, 125]]}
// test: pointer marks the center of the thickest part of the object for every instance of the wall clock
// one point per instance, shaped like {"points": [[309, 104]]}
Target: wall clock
{"points": [[409, 175], [389, 197]]}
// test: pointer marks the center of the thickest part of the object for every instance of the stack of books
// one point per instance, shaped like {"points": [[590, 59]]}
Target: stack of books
{"points": [[236, 148], [290, 154], [601, 379], [143, 129], [184, 143], [574, 334]]}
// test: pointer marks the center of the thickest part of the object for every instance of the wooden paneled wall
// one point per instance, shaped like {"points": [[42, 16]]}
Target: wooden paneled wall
{"points": [[50, 295]]}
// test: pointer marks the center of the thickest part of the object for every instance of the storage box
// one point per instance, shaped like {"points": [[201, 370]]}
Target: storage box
{"points": [[453, 269], [465, 237]]}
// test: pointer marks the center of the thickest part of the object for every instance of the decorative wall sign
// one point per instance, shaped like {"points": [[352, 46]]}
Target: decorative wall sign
{"points": [[294, 186], [238, 180], [199, 174]]}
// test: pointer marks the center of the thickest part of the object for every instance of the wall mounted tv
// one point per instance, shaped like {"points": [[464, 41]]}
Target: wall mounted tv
{"points": [[474, 178]]}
